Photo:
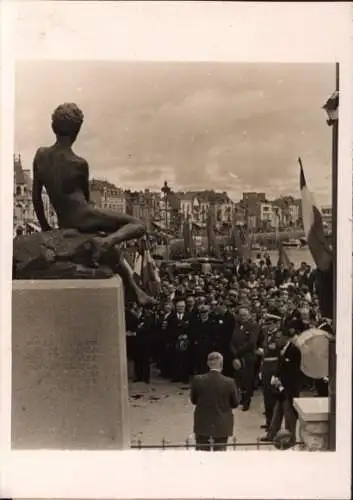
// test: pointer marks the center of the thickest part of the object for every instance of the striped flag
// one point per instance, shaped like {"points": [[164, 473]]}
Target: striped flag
{"points": [[283, 258], [145, 270], [313, 227], [211, 237], [242, 242]]}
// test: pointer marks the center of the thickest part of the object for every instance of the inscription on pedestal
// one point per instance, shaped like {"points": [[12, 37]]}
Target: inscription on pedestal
{"points": [[69, 387], [70, 363]]}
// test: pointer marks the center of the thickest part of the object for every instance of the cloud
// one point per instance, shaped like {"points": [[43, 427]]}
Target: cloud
{"points": [[194, 123]]}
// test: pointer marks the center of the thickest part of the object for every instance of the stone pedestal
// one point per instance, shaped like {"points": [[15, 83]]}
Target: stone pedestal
{"points": [[313, 422], [69, 367]]}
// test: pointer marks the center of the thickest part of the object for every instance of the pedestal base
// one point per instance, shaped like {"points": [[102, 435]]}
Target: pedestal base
{"points": [[69, 368], [313, 423]]}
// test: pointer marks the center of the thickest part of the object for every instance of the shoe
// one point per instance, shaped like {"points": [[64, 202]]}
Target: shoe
{"points": [[265, 439], [246, 407], [264, 426]]}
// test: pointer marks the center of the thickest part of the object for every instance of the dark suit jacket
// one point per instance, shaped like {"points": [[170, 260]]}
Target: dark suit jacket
{"points": [[203, 334], [324, 289], [178, 326], [163, 327], [244, 339], [288, 371], [280, 276], [214, 396]]}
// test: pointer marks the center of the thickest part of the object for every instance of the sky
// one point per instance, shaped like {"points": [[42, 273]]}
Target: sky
{"points": [[232, 127]]}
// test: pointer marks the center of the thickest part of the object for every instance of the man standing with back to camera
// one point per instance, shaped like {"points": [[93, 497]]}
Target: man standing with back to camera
{"points": [[214, 396]]}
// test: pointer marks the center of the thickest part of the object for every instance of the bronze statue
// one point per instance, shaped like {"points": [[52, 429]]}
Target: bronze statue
{"points": [[65, 176]]}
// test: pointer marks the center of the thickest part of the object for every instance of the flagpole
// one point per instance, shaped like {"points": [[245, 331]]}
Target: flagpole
{"points": [[233, 241], [332, 344]]}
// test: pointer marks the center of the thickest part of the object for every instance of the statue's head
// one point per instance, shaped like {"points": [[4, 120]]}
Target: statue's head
{"points": [[67, 120]]}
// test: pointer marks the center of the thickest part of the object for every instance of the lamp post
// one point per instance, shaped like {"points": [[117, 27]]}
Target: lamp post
{"points": [[166, 190], [332, 108]]}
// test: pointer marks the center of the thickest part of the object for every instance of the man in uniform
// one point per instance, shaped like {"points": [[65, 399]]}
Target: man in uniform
{"points": [[287, 382], [270, 353]]}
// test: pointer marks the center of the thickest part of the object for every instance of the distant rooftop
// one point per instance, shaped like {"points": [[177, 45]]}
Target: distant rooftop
{"points": [[100, 184], [206, 196]]}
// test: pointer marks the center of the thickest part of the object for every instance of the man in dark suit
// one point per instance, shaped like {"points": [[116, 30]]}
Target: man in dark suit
{"points": [[143, 346], [203, 340], [179, 334], [163, 342], [214, 397], [281, 274], [243, 347]]}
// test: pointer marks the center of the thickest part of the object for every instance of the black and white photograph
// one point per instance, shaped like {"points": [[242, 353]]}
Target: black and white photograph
{"points": [[175, 273], [166, 234]]}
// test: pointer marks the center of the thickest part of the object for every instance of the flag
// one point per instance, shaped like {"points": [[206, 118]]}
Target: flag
{"points": [[145, 270], [233, 234], [283, 258], [188, 237], [242, 241], [211, 237], [276, 214], [319, 248], [313, 226]]}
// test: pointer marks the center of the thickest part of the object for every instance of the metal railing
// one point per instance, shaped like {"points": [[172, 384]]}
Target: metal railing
{"points": [[231, 445]]}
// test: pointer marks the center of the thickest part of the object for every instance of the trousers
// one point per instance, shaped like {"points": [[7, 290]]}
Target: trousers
{"points": [[206, 443], [245, 378], [283, 409]]}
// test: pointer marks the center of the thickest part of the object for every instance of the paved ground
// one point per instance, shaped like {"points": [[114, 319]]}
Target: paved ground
{"points": [[162, 410]]}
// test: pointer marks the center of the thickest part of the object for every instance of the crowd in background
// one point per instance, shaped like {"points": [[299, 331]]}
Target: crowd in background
{"points": [[247, 314]]}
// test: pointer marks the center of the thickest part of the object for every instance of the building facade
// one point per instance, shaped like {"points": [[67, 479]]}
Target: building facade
{"points": [[196, 206], [106, 195], [24, 216], [145, 205]]}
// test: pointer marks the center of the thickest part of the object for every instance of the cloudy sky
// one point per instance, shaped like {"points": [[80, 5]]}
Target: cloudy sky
{"points": [[228, 126]]}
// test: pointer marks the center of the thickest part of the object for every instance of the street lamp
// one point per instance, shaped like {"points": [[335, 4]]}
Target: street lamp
{"points": [[166, 190], [332, 108]]}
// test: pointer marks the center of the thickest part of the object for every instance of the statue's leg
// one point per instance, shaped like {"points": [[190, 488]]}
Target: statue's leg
{"points": [[122, 268], [117, 226]]}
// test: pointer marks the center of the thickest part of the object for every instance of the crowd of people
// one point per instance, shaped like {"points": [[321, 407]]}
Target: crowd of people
{"points": [[249, 314]]}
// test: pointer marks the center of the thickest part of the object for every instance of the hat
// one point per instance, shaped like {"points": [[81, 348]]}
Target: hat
{"points": [[236, 364]]}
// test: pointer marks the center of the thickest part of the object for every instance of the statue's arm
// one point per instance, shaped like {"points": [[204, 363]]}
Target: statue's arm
{"points": [[85, 187], [37, 187]]}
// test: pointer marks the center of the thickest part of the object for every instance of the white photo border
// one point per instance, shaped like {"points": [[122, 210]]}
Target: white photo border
{"points": [[179, 31]]}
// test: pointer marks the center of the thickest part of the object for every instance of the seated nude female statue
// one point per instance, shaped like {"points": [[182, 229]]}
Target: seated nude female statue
{"points": [[65, 177]]}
